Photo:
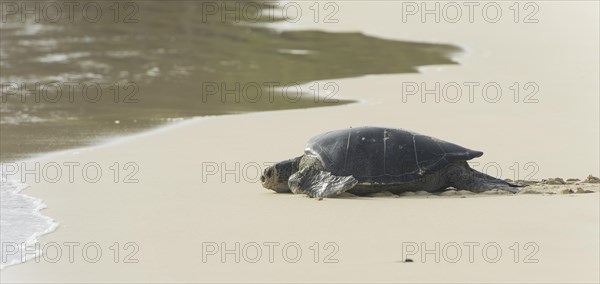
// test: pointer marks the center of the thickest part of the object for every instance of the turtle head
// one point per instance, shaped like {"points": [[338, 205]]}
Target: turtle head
{"points": [[276, 177]]}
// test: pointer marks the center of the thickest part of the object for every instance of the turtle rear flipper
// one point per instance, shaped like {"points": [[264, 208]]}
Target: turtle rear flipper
{"points": [[316, 183], [463, 177]]}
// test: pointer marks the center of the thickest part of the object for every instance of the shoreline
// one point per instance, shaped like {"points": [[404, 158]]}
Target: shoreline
{"points": [[112, 141]]}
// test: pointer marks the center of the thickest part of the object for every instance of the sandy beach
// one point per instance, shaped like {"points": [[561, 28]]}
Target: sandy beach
{"points": [[189, 191]]}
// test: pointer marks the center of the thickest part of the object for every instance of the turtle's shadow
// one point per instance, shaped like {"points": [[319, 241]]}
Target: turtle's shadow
{"points": [[451, 194]]}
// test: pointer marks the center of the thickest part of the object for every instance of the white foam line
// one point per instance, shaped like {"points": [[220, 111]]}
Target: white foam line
{"points": [[38, 206]]}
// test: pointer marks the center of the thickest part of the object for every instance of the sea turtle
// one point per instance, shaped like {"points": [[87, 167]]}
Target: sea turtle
{"points": [[366, 160]]}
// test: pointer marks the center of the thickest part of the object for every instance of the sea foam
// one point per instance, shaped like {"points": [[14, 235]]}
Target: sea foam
{"points": [[20, 222]]}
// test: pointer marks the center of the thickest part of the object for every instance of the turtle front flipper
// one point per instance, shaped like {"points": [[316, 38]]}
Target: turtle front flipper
{"points": [[316, 183]]}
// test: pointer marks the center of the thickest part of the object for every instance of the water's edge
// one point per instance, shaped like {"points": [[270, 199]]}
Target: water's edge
{"points": [[22, 220], [24, 212]]}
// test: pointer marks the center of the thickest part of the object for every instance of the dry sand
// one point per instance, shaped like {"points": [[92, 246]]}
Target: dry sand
{"points": [[172, 211]]}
